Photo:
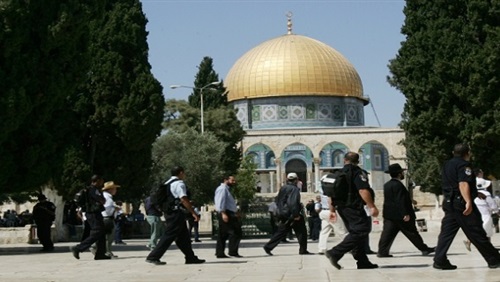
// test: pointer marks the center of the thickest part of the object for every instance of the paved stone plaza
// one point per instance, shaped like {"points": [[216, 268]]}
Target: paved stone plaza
{"points": [[23, 262]]}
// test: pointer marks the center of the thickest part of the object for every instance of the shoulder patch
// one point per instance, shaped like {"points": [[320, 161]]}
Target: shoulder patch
{"points": [[363, 177], [468, 171]]}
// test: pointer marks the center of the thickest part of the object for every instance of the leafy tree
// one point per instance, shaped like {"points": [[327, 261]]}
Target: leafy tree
{"points": [[448, 69], [120, 107], [43, 57], [245, 180], [222, 122], [213, 96], [199, 154]]}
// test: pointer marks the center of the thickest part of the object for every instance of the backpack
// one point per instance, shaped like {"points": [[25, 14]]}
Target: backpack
{"points": [[337, 185], [283, 209], [162, 198], [81, 199]]}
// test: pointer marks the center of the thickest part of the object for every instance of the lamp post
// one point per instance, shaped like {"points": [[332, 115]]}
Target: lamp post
{"points": [[201, 98]]}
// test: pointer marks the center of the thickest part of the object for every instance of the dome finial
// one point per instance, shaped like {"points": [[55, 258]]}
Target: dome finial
{"points": [[289, 24]]}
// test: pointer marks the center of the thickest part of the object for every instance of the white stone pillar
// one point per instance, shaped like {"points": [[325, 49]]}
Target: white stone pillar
{"points": [[272, 183], [278, 173], [317, 162]]}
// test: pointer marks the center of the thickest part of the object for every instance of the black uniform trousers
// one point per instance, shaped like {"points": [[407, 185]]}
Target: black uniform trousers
{"points": [[315, 227], [392, 228], [359, 226], [228, 230], [97, 234], [43, 232], [175, 230], [472, 226], [284, 227]]}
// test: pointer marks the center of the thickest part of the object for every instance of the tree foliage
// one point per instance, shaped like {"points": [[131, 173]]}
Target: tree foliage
{"points": [[120, 107], [222, 122], [43, 57], [199, 154], [213, 95], [245, 180], [448, 68]]}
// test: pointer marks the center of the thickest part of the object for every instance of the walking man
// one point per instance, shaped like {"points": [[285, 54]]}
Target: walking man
{"points": [[229, 219], [399, 215], [356, 221], [175, 219], [93, 215], [44, 213], [290, 216], [153, 216], [460, 211], [327, 225], [110, 208]]}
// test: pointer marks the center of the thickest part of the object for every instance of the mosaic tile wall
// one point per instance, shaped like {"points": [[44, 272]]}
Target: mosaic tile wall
{"points": [[282, 112]]}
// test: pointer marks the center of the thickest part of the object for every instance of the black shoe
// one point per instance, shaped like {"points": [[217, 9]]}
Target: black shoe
{"points": [[367, 265], [268, 251], [495, 265], [333, 260], [428, 251], [305, 253], [198, 241], [101, 257], [235, 255], [384, 256], [75, 252], [222, 256], [370, 252], [444, 266], [194, 260], [156, 261]]}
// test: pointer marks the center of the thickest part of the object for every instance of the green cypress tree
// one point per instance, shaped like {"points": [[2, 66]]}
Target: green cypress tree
{"points": [[43, 57], [121, 105], [448, 69]]}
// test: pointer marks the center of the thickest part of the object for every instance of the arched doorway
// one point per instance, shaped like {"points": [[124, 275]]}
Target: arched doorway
{"points": [[300, 168]]}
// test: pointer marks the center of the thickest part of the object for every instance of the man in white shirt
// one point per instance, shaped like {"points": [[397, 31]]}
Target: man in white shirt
{"points": [[175, 219], [109, 190]]}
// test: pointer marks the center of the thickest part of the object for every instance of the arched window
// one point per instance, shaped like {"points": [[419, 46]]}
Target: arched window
{"points": [[338, 158], [270, 160]]}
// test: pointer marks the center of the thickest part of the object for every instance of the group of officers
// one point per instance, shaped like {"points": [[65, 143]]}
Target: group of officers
{"points": [[460, 212]]}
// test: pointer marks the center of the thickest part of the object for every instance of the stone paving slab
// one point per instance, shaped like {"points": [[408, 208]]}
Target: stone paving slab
{"points": [[23, 262]]}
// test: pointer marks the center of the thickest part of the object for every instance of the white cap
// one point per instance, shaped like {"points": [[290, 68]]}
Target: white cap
{"points": [[482, 183], [292, 176]]}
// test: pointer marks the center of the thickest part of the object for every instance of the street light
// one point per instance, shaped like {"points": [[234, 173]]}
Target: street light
{"points": [[201, 97]]}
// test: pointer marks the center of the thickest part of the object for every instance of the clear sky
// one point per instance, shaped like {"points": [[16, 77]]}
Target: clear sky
{"points": [[367, 33]]}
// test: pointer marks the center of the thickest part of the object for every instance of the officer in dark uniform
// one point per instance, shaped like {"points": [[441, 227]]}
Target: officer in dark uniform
{"points": [[460, 211], [356, 221], [290, 216], [95, 220], [44, 213]]}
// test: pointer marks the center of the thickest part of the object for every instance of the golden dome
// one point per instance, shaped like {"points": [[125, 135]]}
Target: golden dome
{"points": [[293, 65]]}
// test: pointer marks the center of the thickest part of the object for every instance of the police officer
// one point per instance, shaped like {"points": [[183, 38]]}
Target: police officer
{"points": [[175, 219], [459, 191], [44, 213], [355, 217], [95, 220]]}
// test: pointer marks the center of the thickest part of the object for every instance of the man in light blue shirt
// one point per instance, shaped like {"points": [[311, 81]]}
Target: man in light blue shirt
{"points": [[229, 220]]}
